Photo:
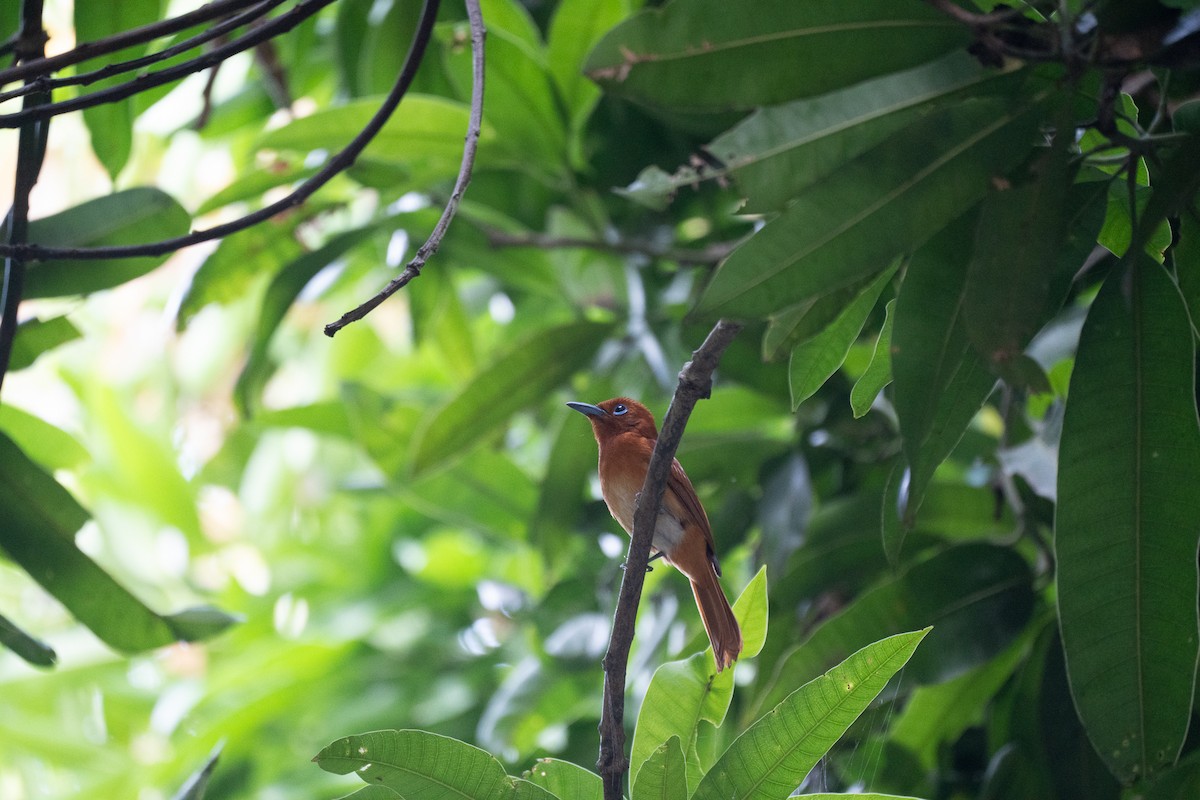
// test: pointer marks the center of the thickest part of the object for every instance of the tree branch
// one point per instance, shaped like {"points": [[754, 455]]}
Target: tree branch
{"points": [[337, 164], [31, 150], [414, 267], [710, 254], [695, 383]]}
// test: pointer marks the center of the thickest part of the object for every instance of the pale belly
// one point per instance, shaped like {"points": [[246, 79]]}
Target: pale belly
{"points": [[621, 500]]}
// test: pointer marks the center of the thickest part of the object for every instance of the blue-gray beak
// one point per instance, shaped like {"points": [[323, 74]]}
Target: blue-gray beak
{"points": [[588, 409]]}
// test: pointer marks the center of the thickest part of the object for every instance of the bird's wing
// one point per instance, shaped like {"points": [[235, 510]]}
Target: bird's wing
{"points": [[681, 500]]}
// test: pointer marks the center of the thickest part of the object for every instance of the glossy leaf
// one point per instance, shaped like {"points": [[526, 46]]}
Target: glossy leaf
{"points": [[691, 55], [664, 775], [1125, 532], [775, 753], [564, 779], [132, 216], [513, 382], [41, 519], [815, 361], [885, 202], [575, 27], [417, 764], [978, 597], [940, 381], [27, 647], [879, 371]]}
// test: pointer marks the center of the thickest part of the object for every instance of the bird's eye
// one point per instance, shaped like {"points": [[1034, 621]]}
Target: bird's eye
{"points": [[619, 409]]}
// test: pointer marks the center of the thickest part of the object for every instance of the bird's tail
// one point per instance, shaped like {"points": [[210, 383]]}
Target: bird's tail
{"points": [[718, 618]]}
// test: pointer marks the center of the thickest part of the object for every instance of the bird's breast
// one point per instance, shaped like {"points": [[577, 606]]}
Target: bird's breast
{"points": [[620, 489]]}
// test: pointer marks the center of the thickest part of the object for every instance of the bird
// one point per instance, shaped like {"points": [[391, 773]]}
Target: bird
{"points": [[625, 433]]}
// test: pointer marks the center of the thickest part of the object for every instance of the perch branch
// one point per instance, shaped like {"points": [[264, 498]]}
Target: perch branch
{"points": [[413, 268], [335, 165], [695, 383]]}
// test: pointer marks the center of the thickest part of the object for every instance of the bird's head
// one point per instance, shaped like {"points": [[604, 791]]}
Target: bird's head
{"points": [[617, 416]]}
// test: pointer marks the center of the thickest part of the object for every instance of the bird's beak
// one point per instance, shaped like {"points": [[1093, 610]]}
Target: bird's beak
{"points": [[588, 409]]}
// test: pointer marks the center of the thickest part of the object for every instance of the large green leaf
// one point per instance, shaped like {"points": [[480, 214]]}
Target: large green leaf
{"points": [[564, 779], [1126, 527], [516, 381], [40, 519], [36, 336], [664, 775], [560, 494], [978, 597], [939, 380], [778, 151], [132, 216], [693, 55], [884, 203], [576, 26], [879, 372], [772, 757], [420, 766]]}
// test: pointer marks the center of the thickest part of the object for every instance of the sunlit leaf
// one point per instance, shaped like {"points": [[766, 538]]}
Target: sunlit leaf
{"points": [[664, 774], [1126, 546], [38, 533], [564, 779], [36, 336], [692, 55], [132, 216], [777, 751]]}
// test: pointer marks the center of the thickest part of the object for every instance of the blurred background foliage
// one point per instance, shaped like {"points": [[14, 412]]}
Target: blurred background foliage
{"points": [[401, 526]]}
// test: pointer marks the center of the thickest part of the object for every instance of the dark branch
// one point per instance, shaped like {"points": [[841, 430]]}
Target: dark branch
{"points": [[278, 25], [695, 383], [337, 164], [414, 267], [710, 254], [120, 41]]}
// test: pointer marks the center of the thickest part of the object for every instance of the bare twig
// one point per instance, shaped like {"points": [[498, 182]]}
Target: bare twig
{"points": [[413, 268], [31, 149], [335, 165], [695, 383], [710, 254]]}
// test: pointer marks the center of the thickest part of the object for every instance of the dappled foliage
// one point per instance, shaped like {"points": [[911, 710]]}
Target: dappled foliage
{"points": [[965, 251]]}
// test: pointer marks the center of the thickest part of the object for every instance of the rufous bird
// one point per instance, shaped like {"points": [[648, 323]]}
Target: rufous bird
{"points": [[626, 433]]}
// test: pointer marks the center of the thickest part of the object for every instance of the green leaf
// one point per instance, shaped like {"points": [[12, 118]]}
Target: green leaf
{"points": [[575, 27], [879, 371], [50, 446], [566, 780], [32, 650], [502, 495], [778, 151], [775, 753], [1187, 267], [418, 765], [978, 598], [254, 185], [425, 134], [197, 783], [36, 336], [285, 286], [38, 533], [940, 381], [373, 793], [884, 203], [664, 775], [692, 55], [1125, 528], [1010, 292], [513, 382], [816, 360], [560, 494], [133, 216], [682, 694]]}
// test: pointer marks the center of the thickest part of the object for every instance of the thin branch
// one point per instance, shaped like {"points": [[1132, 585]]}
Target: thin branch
{"points": [[120, 41], [278, 25], [471, 144], [335, 165], [710, 254], [45, 83], [31, 150], [695, 383]]}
